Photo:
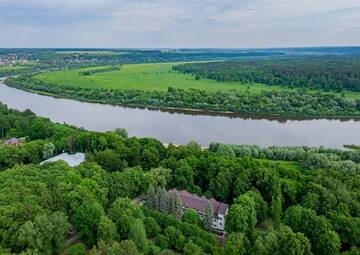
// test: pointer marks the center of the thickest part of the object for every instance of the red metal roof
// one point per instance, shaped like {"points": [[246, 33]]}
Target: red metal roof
{"points": [[193, 201]]}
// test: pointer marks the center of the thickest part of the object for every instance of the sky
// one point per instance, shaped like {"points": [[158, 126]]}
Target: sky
{"points": [[179, 23]]}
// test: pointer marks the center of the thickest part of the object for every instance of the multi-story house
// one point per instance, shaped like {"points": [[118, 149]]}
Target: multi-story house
{"points": [[193, 201]]}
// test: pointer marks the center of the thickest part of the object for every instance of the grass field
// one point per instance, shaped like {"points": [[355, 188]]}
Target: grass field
{"points": [[158, 76]]}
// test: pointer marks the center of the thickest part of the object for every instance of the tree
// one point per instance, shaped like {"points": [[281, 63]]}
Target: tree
{"points": [[225, 150], [86, 217], [152, 228], [121, 132], [46, 232], [150, 158], [184, 176], [236, 244], [282, 241], [48, 150], [77, 249], [123, 213], [193, 249], [138, 235], [40, 129], [158, 177], [277, 208], [221, 185], [125, 184], [60, 230], [126, 247], [347, 227], [167, 252], [150, 201], [175, 238], [261, 206], [209, 216], [175, 204], [353, 251], [106, 230], [110, 161], [241, 216], [313, 226], [162, 200], [29, 236], [192, 217], [71, 143], [329, 243], [293, 243]]}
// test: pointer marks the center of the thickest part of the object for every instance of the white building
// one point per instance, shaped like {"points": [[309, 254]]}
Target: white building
{"points": [[71, 160]]}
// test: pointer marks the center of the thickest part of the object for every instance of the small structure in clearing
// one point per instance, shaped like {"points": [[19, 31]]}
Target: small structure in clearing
{"points": [[15, 141], [71, 160]]}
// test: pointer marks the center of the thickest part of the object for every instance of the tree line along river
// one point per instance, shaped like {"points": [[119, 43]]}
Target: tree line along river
{"points": [[180, 128]]}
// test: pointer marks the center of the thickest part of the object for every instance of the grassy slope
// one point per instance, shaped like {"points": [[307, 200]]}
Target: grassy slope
{"points": [[158, 76]]}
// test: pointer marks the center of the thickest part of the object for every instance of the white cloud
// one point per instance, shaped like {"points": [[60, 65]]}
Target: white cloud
{"points": [[179, 23]]}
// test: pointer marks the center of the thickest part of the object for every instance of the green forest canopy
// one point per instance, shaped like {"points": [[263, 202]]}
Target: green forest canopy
{"points": [[283, 200], [335, 73]]}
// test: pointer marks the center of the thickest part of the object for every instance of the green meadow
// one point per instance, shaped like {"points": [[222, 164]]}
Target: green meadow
{"points": [[149, 77]]}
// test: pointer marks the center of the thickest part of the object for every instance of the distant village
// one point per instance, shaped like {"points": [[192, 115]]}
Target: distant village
{"points": [[13, 59]]}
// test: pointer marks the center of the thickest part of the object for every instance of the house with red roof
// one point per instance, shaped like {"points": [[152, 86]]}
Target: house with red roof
{"points": [[14, 141], [199, 204]]}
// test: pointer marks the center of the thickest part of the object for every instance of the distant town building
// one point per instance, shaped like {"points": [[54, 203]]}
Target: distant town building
{"points": [[15, 141], [193, 201], [71, 160]]}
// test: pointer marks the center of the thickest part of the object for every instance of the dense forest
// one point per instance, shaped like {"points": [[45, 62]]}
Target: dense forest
{"points": [[326, 72], [296, 103], [283, 200]]}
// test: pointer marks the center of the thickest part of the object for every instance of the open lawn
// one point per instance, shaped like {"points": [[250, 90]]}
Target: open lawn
{"points": [[158, 76]]}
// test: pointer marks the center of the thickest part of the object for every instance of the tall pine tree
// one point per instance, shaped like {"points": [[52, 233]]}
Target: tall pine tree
{"points": [[209, 216], [150, 201]]}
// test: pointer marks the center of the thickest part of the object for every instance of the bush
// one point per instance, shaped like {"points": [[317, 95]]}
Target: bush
{"points": [[77, 249]]}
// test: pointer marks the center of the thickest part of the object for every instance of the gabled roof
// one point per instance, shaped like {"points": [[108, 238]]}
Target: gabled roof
{"points": [[193, 201], [12, 141]]}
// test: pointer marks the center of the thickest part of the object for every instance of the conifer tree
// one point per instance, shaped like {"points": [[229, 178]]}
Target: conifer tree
{"points": [[150, 198], [209, 216]]}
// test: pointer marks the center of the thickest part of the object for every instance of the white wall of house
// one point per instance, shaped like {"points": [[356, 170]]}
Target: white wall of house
{"points": [[219, 222]]}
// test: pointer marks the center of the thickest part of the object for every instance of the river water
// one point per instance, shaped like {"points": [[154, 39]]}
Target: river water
{"points": [[180, 128]]}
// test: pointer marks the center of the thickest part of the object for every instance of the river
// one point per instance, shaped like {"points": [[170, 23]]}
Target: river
{"points": [[180, 128]]}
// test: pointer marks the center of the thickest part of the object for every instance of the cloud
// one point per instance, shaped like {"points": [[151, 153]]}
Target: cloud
{"points": [[178, 23]]}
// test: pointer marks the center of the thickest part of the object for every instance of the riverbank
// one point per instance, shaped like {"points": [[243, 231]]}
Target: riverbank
{"points": [[192, 111], [135, 99], [180, 128]]}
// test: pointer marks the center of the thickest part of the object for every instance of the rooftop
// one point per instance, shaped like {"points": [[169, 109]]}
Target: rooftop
{"points": [[14, 141], [71, 160], [193, 201]]}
